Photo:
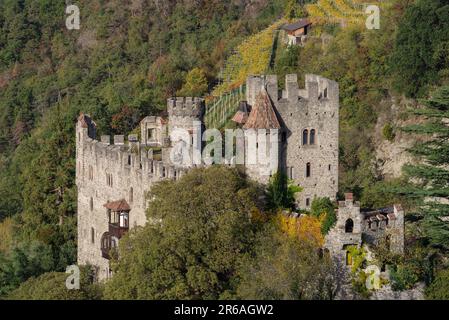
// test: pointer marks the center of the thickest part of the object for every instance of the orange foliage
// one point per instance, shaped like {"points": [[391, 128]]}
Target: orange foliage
{"points": [[304, 227]]}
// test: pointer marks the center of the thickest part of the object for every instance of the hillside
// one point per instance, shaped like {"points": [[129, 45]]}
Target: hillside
{"points": [[128, 58]]}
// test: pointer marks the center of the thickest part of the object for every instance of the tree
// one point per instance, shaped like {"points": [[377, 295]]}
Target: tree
{"points": [[281, 192], [294, 10], [195, 84], [24, 261], [439, 288], [429, 180], [201, 229], [52, 286], [324, 206], [421, 47], [285, 268]]}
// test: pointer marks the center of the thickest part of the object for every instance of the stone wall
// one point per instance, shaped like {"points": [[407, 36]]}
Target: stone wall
{"points": [[314, 108]]}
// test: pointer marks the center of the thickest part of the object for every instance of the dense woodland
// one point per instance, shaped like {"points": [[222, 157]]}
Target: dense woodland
{"points": [[123, 63]]}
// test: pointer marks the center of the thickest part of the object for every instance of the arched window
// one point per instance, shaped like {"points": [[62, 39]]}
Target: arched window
{"points": [[312, 136], [305, 136], [349, 226], [308, 170]]}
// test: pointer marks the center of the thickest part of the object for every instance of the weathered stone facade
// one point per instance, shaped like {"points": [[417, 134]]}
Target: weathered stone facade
{"points": [[355, 227], [114, 176], [309, 131]]}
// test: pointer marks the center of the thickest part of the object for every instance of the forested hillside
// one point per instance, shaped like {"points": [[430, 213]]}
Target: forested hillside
{"points": [[123, 63], [129, 56]]}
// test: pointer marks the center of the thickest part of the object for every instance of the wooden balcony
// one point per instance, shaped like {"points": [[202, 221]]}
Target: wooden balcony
{"points": [[116, 231]]}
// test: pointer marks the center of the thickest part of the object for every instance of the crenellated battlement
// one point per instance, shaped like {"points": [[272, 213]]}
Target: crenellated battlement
{"points": [[115, 168], [186, 107], [316, 88]]}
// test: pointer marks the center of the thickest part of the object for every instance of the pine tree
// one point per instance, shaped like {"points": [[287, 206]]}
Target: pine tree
{"points": [[429, 180]]}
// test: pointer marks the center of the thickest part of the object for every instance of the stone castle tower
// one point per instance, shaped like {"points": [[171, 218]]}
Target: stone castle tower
{"points": [[308, 128], [113, 177]]}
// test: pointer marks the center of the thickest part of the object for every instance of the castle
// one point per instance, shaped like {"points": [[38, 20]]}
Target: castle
{"points": [[113, 177]]}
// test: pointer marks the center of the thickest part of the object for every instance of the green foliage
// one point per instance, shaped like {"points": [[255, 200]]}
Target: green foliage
{"points": [[421, 49], [119, 67], [294, 10], [388, 132], [439, 288], [24, 261], [195, 84], [195, 252], [403, 277], [324, 206], [285, 268], [281, 192], [52, 286], [358, 256], [428, 180]]}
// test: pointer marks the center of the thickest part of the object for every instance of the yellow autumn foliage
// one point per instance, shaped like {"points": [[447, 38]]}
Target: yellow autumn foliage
{"points": [[250, 57], [305, 228]]}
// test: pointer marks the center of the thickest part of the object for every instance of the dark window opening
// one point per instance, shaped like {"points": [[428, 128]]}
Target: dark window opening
{"points": [[308, 170], [312, 136], [349, 226], [92, 235], [307, 202], [305, 136], [325, 92]]}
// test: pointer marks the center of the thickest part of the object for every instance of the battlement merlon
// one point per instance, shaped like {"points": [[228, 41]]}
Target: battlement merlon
{"points": [[186, 107], [316, 88]]}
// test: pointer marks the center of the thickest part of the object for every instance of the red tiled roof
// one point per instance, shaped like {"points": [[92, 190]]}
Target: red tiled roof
{"points": [[85, 120], [262, 114], [240, 117], [120, 205]]}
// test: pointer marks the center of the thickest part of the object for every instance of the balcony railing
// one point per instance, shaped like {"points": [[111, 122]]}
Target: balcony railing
{"points": [[116, 231]]}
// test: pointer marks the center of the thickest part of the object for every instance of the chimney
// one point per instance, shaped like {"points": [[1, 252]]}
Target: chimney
{"points": [[349, 198]]}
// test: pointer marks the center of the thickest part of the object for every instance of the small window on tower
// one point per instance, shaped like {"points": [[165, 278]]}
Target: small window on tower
{"points": [[325, 92], [305, 136], [308, 170], [307, 202], [312, 136], [151, 134], [92, 235]]}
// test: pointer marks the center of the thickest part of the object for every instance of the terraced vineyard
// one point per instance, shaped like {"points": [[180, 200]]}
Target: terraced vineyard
{"points": [[250, 57], [339, 11], [253, 56]]}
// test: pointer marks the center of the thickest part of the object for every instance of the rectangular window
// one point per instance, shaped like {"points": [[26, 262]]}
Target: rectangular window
{"points": [[151, 134], [92, 235]]}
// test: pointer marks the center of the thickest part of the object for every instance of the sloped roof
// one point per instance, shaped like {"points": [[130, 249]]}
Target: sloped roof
{"points": [[120, 205], [240, 117], [85, 120], [262, 114], [297, 25]]}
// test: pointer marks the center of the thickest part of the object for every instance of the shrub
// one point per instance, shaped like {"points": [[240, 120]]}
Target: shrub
{"points": [[388, 132]]}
